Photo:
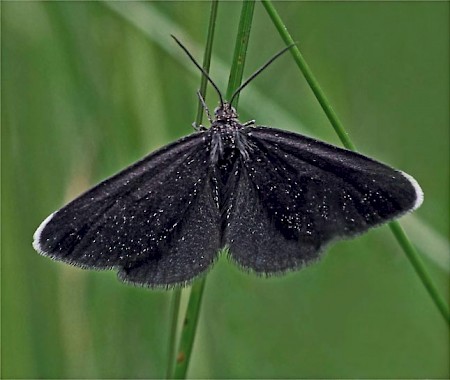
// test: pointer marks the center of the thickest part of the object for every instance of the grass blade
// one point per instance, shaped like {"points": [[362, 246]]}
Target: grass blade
{"points": [[178, 366], [188, 330], [313, 83], [396, 228], [240, 50], [174, 311], [419, 267], [207, 58], [195, 298]]}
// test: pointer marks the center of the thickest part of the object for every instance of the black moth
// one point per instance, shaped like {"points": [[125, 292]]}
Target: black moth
{"points": [[275, 199]]}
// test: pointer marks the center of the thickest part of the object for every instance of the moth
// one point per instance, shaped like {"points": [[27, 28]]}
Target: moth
{"points": [[273, 198]]}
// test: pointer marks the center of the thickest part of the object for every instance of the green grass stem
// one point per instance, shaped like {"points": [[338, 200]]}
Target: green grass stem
{"points": [[240, 49], [193, 309], [312, 81], [178, 365], [419, 267], [207, 58], [189, 329], [174, 311], [397, 230]]}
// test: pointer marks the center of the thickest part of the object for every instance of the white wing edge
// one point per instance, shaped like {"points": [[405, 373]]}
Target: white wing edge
{"points": [[417, 188], [37, 235]]}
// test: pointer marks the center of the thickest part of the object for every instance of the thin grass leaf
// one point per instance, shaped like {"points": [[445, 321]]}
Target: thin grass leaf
{"points": [[179, 366], [174, 311], [189, 330], [207, 58], [203, 86], [240, 49], [195, 298], [419, 267], [396, 228]]}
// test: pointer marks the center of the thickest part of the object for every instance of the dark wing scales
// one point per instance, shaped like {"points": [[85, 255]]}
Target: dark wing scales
{"points": [[142, 219], [304, 193], [191, 249], [253, 238], [390, 192]]}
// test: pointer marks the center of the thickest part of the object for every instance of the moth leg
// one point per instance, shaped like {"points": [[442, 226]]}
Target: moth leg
{"points": [[248, 123], [205, 107], [199, 128]]}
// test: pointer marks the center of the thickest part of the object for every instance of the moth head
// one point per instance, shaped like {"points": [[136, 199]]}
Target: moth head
{"points": [[225, 112]]}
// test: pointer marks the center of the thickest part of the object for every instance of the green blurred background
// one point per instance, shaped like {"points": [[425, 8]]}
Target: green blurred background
{"points": [[88, 88]]}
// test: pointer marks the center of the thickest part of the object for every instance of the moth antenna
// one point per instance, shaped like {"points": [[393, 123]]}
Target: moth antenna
{"points": [[199, 67], [257, 72]]}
